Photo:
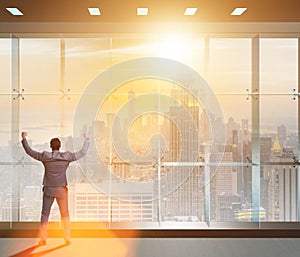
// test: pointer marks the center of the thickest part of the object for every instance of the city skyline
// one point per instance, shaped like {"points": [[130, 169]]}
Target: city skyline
{"points": [[181, 194], [227, 186]]}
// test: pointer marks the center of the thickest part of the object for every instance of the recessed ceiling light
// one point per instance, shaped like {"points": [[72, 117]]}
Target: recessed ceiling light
{"points": [[142, 11], [14, 11], [239, 11], [190, 11], [94, 11]]}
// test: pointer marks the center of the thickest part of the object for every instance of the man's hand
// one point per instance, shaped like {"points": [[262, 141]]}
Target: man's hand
{"points": [[85, 136], [24, 134]]}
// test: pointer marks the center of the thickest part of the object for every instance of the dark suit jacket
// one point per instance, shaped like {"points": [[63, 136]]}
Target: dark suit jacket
{"points": [[55, 163]]}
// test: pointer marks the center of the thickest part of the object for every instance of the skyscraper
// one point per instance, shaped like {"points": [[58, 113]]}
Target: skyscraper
{"points": [[281, 131], [187, 197], [282, 185]]}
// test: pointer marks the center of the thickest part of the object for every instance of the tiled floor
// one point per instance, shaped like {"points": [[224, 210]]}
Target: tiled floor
{"points": [[132, 247]]}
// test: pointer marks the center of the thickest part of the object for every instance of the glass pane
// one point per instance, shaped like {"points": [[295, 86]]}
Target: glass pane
{"points": [[85, 58], [279, 64], [131, 46], [187, 202], [189, 50], [230, 64], [6, 202], [230, 186], [279, 129], [40, 65], [237, 116], [88, 204], [5, 65], [279, 191], [5, 131], [40, 116], [132, 174], [5, 128], [6, 159], [30, 189], [230, 191]]}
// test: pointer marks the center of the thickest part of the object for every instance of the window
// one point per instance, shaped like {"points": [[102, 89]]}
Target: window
{"points": [[160, 153]]}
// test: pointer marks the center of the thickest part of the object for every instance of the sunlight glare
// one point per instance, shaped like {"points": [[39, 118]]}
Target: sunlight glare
{"points": [[174, 47]]}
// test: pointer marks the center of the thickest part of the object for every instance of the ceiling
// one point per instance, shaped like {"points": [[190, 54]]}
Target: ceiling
{"points": [[159, 11]]}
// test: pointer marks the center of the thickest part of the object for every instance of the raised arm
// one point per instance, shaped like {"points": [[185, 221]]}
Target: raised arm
{"points": [[84, 149], [34, 154]]}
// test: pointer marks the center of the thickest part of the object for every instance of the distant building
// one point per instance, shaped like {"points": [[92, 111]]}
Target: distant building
{"points": [[231, 126], [282, 185], [265, 149], [226, 177], [265, 156], [13, 210], [32, 203], [247, 214], [126, 204], [226, 206], [187, 196], [282, 136]]}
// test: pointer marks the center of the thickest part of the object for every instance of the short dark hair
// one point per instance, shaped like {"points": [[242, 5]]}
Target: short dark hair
{"points": [[55, 144]]}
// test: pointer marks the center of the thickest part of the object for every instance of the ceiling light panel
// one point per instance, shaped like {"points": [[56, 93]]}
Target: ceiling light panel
{"points": [[14, 11], [190, 11], [142, 11], [238, 11], [94, 11]]}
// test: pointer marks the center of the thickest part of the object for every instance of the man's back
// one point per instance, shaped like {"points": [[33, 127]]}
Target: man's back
{"points": [[55, 163]]}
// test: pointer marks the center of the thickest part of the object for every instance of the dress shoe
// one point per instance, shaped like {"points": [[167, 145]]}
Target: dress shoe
{"points": [[42, 242], [67, 242]]}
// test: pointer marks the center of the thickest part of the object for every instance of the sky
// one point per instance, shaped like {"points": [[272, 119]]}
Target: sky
{"points": [[46, 110]]}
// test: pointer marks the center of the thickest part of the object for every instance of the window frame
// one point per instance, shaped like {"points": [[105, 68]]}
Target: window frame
{"points": [[226, 229]]}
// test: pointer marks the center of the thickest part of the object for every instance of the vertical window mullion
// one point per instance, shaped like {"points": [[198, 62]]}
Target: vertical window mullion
{"points": [[298, 175], [15, 127], [255, 136], [62, 86], [207, 192]]}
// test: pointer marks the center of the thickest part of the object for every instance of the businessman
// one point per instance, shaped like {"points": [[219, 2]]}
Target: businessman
{"points": [[55, 182]]}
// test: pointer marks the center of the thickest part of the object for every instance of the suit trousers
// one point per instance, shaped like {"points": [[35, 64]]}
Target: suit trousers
{"points": [[61, 196]]}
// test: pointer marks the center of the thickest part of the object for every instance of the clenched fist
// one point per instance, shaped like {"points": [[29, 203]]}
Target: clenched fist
{"points": [[24, 134]]}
